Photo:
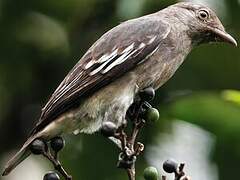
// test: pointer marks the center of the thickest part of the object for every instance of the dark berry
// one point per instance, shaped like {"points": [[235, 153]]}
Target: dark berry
{"points": [[147, 94], [38, 146], [151, 115], [51, 176], [170, 166], [143, 109], [57, 143], [150, 173], [125, 161], [108, 129]]}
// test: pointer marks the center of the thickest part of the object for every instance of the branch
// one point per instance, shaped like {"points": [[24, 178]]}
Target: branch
{"points": [[137, 114], [39, 146], [169, 166]]}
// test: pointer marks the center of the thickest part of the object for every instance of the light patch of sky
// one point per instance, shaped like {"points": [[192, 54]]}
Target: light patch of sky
{"points": [[217, 5], [32, 168], [186, 143]]}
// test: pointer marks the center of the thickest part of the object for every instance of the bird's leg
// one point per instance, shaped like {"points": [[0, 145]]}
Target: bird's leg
{"points": [[138, 123], [122, 136]]}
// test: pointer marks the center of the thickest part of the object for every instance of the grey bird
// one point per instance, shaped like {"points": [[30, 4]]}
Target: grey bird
{"points": [[134, 55]]}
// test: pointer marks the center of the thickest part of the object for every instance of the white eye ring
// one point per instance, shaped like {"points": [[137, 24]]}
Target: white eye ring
{"points": [[203, 14]]}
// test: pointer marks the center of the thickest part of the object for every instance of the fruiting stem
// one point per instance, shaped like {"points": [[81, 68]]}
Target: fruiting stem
{"points": [[130, 149], [164, 178], [57, 165], [131, 172], [180, 172], [133, 136]]}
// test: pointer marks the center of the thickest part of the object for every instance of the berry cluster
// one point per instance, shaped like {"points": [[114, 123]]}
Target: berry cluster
{"points": [[169, 166], [141, 107], [41, 147], [139, 113]]}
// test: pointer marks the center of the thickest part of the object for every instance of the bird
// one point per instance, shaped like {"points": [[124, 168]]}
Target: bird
{"points": [[136, 54]]}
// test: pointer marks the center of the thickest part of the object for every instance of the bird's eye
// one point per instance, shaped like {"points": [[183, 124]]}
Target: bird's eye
{"points": [[203, 15]]}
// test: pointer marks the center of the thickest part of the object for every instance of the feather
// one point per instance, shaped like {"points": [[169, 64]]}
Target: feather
{"points": [[115, 53]]}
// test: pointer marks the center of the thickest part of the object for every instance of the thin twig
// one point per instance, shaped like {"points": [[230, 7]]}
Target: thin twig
{"points": [[57, 165], [164, 178], [130, 149], [131, 173], [180, 173]]}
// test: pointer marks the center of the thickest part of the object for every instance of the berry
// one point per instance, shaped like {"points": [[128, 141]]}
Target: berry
{"points": [[170, 166], [125, 161], [51, 176], [151, 115], [150, 173], [108, 129], [57, 143], [38, 146], [147, 94]]}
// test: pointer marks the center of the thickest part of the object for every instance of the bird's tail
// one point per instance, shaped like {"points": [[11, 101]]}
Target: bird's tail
{"points": [[22, 154]]}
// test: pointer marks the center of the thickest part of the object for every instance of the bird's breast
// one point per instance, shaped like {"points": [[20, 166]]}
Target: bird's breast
{"points": [[161, 66]]}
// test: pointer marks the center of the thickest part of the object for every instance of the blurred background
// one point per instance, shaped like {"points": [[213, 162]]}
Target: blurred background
{"points": [[199, 107]]}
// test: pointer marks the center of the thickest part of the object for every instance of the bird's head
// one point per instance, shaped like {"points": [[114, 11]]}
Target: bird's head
{"points": [[203, 24]]}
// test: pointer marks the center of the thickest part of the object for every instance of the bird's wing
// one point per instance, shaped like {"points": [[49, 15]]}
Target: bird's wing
{"points": [[115, 53]]}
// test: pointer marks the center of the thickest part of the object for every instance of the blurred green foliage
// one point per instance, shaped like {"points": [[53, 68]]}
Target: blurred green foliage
{"points": [[42, 40]]}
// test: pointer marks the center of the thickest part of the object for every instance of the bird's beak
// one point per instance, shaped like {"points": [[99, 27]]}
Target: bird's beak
{"points": [[223, 36]]}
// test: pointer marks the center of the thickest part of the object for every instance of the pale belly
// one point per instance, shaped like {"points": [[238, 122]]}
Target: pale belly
{"points": [[108, 104]]}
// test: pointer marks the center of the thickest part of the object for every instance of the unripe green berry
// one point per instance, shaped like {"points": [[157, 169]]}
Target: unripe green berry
{"points": [[151, 115], [170, 166], [38, 146], [51, 176], [108, 129], [147, 94], [57, 143], [150, 173]]}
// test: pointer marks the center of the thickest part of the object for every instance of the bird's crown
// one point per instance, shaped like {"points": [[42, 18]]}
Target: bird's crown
{"points": [[203, 23]]}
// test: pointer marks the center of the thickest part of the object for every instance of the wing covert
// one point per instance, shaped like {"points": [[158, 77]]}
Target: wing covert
{"points": [[115, 53]]}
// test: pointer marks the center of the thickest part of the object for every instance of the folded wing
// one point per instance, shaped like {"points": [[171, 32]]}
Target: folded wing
{"points": [[115, 53]]}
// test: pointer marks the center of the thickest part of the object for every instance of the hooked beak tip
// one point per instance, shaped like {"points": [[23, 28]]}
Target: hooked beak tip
{"points": [[230, 39], [224, 37]]}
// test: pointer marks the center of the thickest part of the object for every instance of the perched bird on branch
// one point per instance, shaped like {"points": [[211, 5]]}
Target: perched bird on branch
{"points": [[134, 55]]}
